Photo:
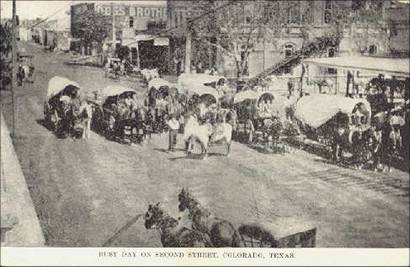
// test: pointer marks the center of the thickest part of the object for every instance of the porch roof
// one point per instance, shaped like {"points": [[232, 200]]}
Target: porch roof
{"points": [[392, 66]]}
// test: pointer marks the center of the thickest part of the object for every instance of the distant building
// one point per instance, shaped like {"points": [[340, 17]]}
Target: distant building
{"points": [[133, 24]]}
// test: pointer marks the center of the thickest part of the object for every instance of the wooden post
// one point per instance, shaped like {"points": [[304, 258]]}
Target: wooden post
{"points": [[188, 47], [138, 56], [14, 69]]}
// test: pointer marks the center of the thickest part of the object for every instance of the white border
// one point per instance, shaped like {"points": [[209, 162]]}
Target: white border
{"points": [[11, 256]]}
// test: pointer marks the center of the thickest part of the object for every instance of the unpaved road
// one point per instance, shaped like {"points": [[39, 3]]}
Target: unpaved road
{"points": [[90, 192]]}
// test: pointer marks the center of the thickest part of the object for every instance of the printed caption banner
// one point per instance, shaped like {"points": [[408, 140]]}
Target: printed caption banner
{"points": [[202, 256]]}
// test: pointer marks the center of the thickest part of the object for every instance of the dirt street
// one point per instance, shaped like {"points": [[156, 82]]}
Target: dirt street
{"points": [[89, 192]]}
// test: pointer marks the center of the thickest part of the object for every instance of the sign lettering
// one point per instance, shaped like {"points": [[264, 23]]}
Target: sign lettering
{"points": [[139, 12]]}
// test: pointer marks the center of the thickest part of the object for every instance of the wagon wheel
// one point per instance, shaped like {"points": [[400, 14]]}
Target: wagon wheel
{"points": [[195, 147], [46, 112]]}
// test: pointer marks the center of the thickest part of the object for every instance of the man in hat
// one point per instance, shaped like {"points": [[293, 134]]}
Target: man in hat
{"points": [[173, 125]]}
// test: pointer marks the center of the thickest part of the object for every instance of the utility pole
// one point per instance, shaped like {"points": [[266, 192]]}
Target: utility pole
{"points": [[114, 39], [188, 48], [14, 68]]}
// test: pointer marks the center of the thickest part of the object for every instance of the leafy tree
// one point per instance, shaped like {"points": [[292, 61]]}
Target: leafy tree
{"points": [[92, 26], [239, 26], [5, 53]]}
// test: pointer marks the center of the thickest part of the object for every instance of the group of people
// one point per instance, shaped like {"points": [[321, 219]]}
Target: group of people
{"points": [[386, 140]]}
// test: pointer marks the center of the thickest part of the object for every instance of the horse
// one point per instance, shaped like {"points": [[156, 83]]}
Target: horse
{"points": [[220, 133], [173, 234], [221, 232], [86, 113]]}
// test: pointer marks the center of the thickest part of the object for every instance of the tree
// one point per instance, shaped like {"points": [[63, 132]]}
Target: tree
{"points": [[93, 26], [5, 54], [240, 26]]}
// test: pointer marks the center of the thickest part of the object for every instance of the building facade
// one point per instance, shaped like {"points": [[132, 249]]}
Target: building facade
{"points": [[131, 27], [297, 23]]}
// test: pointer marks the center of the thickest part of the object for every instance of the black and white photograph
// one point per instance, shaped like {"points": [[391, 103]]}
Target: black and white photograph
{"points": [[202, 126]]}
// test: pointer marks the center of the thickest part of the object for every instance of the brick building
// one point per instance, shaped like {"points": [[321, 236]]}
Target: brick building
{"points": [[126, 24], [301, 21]]}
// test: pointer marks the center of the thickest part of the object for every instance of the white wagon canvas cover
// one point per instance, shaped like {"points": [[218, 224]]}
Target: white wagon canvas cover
{"points": [[113, 90], [316, 110], [57, 84]]}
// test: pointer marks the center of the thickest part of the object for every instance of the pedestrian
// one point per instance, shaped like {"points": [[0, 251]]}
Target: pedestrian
{"points": [[20, 75], [376, 146], [249, 130], [173, 125], [86, 110]]}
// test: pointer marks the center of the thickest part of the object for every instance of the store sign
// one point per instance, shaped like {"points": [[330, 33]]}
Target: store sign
{"points": [[147, 12], [161, 41]]}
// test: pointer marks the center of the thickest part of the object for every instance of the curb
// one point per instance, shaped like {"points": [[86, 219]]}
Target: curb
{"points": [[19, 222]]}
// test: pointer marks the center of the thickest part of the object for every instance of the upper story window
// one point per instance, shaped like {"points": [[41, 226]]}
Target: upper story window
{"points": [[357, 4], [131, 22], [248, 14], [289, 50], [331, 52], [294, 12], [176, 19], [372, 50], [328, 11]]}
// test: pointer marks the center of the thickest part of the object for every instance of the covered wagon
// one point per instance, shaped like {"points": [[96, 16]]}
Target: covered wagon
{"points": [[336, 121], [62, 100], [116, 112]]}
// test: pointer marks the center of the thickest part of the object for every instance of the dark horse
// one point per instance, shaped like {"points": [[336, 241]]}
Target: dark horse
{"points": [[172, 234], [221, 232]]}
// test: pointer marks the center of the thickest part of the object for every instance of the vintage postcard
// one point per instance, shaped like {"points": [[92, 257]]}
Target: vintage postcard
{"points": [[206, 132]]}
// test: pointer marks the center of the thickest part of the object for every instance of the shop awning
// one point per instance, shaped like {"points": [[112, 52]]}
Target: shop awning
{"points": [[158, 41], [392, 66]]}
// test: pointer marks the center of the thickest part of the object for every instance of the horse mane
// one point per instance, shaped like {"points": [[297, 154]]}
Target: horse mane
{"points": [[196, 206], [168, 221]]}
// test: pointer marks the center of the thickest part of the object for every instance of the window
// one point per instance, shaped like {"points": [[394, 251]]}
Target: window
{"points": [[131, 22], [181, 17], [328, 11], [248, 14], [357, 4], [372, 50], [289, 50], [331, 53], [294, 13], [328, 4]]}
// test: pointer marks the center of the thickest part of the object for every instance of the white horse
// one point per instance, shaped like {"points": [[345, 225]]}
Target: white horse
{"points": [[86, 111], [206, 134], [150, 74]]}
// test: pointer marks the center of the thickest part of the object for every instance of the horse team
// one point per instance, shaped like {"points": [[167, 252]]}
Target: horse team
{"points": [[207, 230]]}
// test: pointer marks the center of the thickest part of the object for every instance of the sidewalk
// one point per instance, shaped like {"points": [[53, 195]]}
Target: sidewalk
{"points": [[19, 223]]}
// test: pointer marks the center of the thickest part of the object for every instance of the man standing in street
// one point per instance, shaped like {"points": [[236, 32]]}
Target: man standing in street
{"points": [[173, 126]]}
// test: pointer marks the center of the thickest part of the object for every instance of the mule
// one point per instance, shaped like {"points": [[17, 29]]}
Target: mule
{"points": [[173, 234], [221, 232]]}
